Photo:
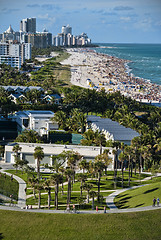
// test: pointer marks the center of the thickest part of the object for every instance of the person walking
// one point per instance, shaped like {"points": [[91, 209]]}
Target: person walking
{"points": [[158, 200], [97, 209], [104, 209], [154, 201]]}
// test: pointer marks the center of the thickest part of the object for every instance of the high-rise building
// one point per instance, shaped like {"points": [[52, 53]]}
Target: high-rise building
{"points": [[67, 29], [14, 54], [28, 25], [40, 40]]}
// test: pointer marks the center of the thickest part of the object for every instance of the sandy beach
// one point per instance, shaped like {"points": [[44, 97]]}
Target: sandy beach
{"points": [[92, 70]]}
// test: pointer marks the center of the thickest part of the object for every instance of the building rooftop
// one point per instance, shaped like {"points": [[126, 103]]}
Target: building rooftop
{"points": [[119, 132]]}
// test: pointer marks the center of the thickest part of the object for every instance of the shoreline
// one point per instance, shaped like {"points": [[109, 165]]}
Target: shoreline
{"points": [[93, 70]]}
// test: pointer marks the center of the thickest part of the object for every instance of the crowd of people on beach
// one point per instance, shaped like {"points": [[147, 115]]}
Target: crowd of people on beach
{"points": [[110, 73]]}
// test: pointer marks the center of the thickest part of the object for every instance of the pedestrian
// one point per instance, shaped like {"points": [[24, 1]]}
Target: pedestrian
{"points": [[97, 209], [74, 208], [154, 201], [158, 200], [68, 208], [104, 209]]}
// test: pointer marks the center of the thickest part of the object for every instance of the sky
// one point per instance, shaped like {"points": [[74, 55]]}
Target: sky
{"points": [[104, 21]]}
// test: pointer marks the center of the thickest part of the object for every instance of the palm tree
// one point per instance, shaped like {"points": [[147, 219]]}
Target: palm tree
{"points": [[72, 159], [60, 117], [92, 194], [47, 187], [62, 170], [82, 178], [100, 139], [38, 155], [87, 187], [69, 173], [129, 153], [84, 165], [98, 166], [122, 158], [88, 138], [16, 149], [32, 182], [56, 178], [57, 162], [39, 187], [104, 157]]}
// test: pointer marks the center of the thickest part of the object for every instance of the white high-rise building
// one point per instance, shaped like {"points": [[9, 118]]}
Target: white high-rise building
{"points": [[14, 54], [67, 29], [28, 25]]}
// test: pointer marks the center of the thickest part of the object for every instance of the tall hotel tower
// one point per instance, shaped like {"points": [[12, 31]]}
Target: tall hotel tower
{"points": [[28, 25]]}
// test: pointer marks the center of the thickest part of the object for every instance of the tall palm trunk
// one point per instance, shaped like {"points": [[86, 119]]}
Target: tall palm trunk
{"points": [[49, 198], [99, 179], [39, 200], [69, 190], [131, 168], [93, 202], [87, 196], [62, 188], [122, 169], [135, 167], [34, 192], [38, 169], [129, 171], [81, 187], [56, 195], [115, 172]]}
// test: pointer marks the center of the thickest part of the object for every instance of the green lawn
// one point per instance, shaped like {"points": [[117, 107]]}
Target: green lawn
{"points": [[38, 226], [8, 186], [139, 197]]}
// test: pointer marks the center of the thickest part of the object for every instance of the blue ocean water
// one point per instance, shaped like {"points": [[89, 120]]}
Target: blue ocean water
{"points": [[145, 58]]}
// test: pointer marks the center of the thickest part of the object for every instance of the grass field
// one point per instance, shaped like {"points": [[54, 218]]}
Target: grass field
{"points": [[8, 186], [37, 226], [139, 197]]}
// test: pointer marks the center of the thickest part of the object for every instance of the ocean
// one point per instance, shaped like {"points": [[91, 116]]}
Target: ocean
{"points": [[145, 58]]}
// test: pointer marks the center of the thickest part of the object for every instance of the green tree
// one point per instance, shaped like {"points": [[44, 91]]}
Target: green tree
{"points": [[69, 174], [38, 155], [56, 178], [47, 187], [92, 194], [87, 187], [122, 157], [82, 178], [99, 166]]}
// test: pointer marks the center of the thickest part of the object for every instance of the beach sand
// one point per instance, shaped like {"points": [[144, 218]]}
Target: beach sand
{"points": [[92, 70]]}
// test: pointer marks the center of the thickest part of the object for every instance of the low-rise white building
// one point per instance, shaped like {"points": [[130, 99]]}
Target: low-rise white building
{"points": [[88, 152], [39, 121]]}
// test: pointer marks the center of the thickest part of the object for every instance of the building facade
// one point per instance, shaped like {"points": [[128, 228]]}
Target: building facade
{"points": [[28, 25], [39, 121], [88, 152], [14, 54]]}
